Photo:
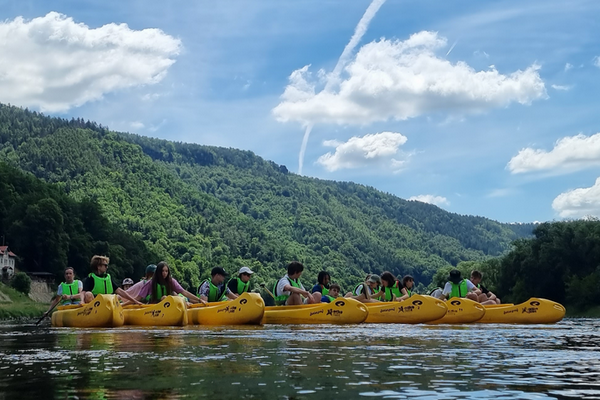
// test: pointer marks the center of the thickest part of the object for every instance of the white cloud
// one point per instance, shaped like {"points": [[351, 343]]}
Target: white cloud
{"points": [[403, 79], [579, 203], [373, 149], [500, 192], [569, 154], [431, 199], [561, 87], [597, 61], [137, 125], [568, 66], [53, 63]]}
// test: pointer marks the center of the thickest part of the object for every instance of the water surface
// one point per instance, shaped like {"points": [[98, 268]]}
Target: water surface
{"points": [[285, 362]]}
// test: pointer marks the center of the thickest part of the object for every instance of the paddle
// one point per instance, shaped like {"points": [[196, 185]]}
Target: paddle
{"points": [[262, 285], [47, 313]]}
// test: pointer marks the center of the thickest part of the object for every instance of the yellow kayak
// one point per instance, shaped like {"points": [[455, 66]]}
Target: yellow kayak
{"points": [[461, 311], [246, 309], [533, 311], [414, 310], [104, 311], [169, 312], [340, 311]]}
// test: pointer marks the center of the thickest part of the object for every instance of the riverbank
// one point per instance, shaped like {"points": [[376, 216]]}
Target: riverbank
{"points": [[14, 304]]}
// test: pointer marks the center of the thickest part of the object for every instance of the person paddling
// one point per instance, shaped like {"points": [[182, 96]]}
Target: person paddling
{"points": [[241, 283], [289, 291], [214, 289], [69, 292], [322, 286], [162, 285], [100, 282]]}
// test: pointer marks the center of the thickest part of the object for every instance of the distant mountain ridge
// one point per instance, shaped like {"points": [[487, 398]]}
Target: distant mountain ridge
{"points": [[200, 206]]}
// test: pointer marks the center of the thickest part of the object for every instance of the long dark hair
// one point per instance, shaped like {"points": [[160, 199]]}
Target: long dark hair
{"points": [[389, 278], [322, 276], [158, 279]]}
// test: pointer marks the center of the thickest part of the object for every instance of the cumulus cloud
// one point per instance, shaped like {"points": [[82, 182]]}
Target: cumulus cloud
{"points": [[369, 150], [569, 154], [431, 199], [53, 63], [403, 79], [579, 203]]}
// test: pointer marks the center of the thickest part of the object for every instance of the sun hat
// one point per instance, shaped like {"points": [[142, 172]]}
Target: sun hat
{"points": [[218, 271], [127, 281], [150, 269], [455, 276], [375, 278], [245, 270]]}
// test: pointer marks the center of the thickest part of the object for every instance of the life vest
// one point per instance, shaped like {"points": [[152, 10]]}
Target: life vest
{"points": [[331, 298], [241, 286], [281, 299], [214, 293], [460, 289], [324, 290], [70, 289], [396, 289], [409, 292], [161, 291], [101, 285]]}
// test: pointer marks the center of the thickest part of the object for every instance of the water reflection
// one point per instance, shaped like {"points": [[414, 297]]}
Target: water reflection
{"points": [[376, 361]]}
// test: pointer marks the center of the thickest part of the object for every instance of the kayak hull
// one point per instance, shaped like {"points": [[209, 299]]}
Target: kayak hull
{"points": [[104, 311], [533, 311], [169, 312], [461, 311], [341, 311], [414, 310], [247, 309]]}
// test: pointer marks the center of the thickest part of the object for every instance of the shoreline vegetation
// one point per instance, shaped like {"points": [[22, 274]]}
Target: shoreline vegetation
{"points": [[20, 306]]}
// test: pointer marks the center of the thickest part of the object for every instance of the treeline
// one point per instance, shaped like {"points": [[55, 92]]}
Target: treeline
{"points": [[199, 206], [49, 231]]}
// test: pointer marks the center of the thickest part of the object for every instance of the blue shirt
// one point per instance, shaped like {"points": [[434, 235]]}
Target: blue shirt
{"points": [[325, 299], [316, 288]]}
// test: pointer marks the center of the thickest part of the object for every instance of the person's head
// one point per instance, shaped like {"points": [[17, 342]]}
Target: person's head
{"points": [[150, 270], [99, 264], [218, 275], [334, 290], [455, 276], [408, 282], [127, 283], [323, 278], [295, 269], [476, 277], [374, 281], [69, 275], [245, 274], [388, 279]]}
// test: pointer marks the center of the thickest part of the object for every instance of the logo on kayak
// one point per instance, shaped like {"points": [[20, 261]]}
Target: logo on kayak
{"points": [[530, 310], [167, 305], [455, 303], [85, 312], [243, 301], [417, 302], [154, 313], [97, 304], [516, 310], [406, 309], [334, 313], [384, 310], [535, 303], [340, 303], [315, 313], [228, 309]]}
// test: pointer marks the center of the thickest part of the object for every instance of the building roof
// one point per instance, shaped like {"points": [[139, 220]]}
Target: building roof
{"points": [[4, 249]]}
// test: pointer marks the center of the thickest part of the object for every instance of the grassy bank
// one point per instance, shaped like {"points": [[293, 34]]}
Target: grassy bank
{"points": [[20, 306]]}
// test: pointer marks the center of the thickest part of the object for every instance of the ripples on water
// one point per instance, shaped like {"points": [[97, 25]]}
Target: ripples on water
{"points": [[333, 362]]}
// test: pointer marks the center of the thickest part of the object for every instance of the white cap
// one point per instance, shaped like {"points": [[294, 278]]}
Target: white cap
{"points": [[245, 270]]}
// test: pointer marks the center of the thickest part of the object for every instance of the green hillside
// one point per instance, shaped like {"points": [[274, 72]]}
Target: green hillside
{"points": [[200, 206]]}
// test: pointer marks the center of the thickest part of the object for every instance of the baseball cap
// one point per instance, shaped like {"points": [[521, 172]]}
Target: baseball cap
{"points": [[455, 276], [151, 269], [245, 270], [375, 278], [218, 271], [127, 281]]}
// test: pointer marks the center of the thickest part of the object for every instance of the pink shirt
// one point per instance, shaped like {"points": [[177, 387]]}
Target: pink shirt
{"points": [[147, 289], [134, 291]]}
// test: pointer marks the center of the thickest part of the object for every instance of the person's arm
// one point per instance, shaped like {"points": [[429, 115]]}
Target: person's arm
{"points": [[404, 294], [192, 298], [230, 295], [126, 295], [293, 289], [445, 295], [203, 292]]}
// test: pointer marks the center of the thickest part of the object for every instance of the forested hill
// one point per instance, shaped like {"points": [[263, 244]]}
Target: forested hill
{"points": [[200, 206]]}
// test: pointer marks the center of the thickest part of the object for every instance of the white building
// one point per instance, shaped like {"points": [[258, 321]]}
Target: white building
{"points": [[7, 262]]}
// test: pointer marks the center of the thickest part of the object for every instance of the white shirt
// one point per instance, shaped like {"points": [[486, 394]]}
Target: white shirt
{"points": [[79, 285], [448, 287], [359, 290], [281, 284]]}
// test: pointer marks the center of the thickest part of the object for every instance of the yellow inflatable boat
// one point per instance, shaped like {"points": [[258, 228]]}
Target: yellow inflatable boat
{"points": [[171, 311], [246, 309], [414, 310], [533, 311], [340, 311], [104, 311], [461, 311]]}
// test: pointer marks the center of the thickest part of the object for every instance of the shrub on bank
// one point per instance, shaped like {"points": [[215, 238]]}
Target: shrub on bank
{"points": [[21, 282]]}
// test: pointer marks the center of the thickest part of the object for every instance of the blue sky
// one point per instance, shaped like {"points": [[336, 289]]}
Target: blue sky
{"points": [[483, 108]]}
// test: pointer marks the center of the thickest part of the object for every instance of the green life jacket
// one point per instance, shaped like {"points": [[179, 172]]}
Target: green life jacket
{"points": [[324, 290], [161, 291], [460, 289], [241, 286], [101, 285], [281, 299], [409, 292], [331, 298], [393, 290], [70, 289], [214, 294]]}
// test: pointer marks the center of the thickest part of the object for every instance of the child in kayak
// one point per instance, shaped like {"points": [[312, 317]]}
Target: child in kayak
{"points": [[162, 285], [100, 282], [365, 292], [289, 291], [334, 292], [484, 295], [323, 283], [458, 287]]}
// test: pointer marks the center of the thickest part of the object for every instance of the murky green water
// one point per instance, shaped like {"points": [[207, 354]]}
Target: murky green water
{"points": [[329, 362]]}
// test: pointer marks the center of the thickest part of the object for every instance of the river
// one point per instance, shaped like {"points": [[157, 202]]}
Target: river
{"points": [[295, 362]]}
